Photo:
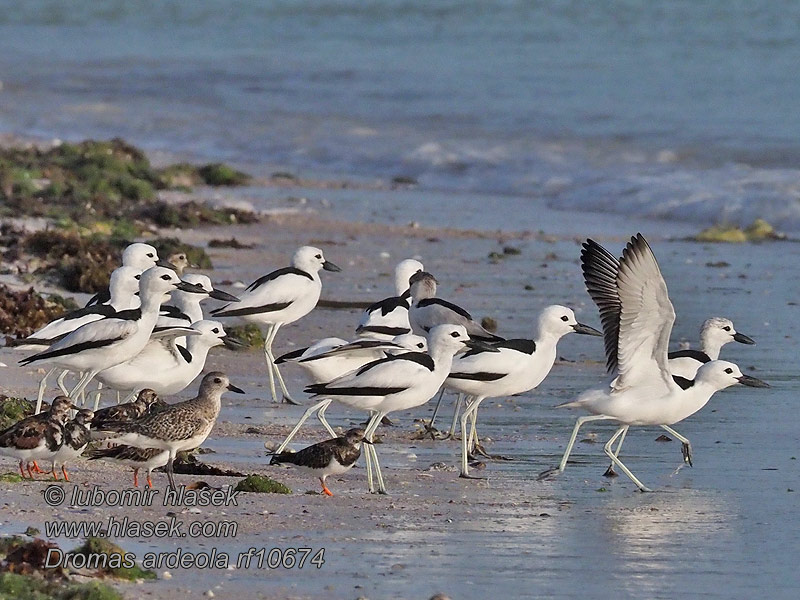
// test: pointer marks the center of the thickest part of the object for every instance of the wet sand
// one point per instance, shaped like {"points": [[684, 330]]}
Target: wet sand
{"points": [[721, 529]]}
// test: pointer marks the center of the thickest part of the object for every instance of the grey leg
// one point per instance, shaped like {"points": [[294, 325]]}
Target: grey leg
{"points": [[270, 363], [472, 406], [373, 425], [459, 403], [319, 406], [610, 472], [563, 464], [42, 388], [81, 385], [170, 474], [368, 453], [324, 421], [60, 382], [686, 447], [287, 397], [618, 462], [429, 427]]}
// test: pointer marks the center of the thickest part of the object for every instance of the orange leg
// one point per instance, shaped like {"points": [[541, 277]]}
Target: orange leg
{"points": [[21, 470], [36, 467], [64, 471], [325, 489], [149, 483], [55, 473], [136, 478], [30, 474]]}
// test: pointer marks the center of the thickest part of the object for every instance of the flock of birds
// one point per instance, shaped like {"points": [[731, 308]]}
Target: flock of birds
{"points": [[147, 337]]}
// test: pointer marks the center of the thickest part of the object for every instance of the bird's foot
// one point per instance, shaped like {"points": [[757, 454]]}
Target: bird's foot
{"points": [[686, 450], [480, 450], [548, 473], [465, 475], [287, 399], [644, 489], [610, 472]]}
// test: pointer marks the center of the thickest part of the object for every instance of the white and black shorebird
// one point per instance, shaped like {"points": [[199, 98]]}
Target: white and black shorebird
{"points": [[428, 311], [37, 437], [714, 334], [164, 365], [333, 357], [184, 308], [123, 287], [331, 457], [138, 256], [514, 367], [133, 457], [637, 318], [397, 382], [281, 297], [388, 318], [112, 340], [176, 427], [76, 439]]}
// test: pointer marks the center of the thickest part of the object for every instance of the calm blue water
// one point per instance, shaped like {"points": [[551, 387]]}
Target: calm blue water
{"points": [[686, 110]]}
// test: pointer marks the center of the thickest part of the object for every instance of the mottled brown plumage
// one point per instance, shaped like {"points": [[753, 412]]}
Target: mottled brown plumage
{"points": [[175, 427], [331, 457], [126, 412], [38, 436]]}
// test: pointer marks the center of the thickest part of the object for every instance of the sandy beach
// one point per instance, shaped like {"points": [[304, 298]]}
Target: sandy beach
{"points": [[717, 529]]}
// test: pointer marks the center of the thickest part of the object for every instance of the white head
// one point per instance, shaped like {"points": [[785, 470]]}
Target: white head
{"points": [[140, 256], [311, 260], [718, 331], [403, 272], [422, 286], [409, 341], [720, 374], [211, 334], [157, 282], [124, 283], [558, 321], [446, 340]]}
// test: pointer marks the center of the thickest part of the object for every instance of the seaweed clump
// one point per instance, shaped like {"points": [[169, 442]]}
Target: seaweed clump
{"points": [[249, 336], [262, 484], [759, 230], [76, 263], [13, 410], [94, 547], [111, 182], [23, 312]]}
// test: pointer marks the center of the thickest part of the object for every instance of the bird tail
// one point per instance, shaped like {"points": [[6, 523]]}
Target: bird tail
{"points": [[290, 356], [570, 404]]}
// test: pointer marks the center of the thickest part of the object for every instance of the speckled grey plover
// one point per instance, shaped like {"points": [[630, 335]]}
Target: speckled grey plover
{"points": [[177, 427]]}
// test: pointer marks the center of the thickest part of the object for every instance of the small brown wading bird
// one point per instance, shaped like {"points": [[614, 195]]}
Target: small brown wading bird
{"points": [[76, 438], [331, 457], [38, 436]]}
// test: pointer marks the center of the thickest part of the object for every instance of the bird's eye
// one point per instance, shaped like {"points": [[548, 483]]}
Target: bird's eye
{"points": [[182, 257], [215, 330], [455, 334], [137, 277], [150, 255], [565, 318], [727, 328], [420, 345], [165, 277], [217, 380], [729, 370], [319, 256]]}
